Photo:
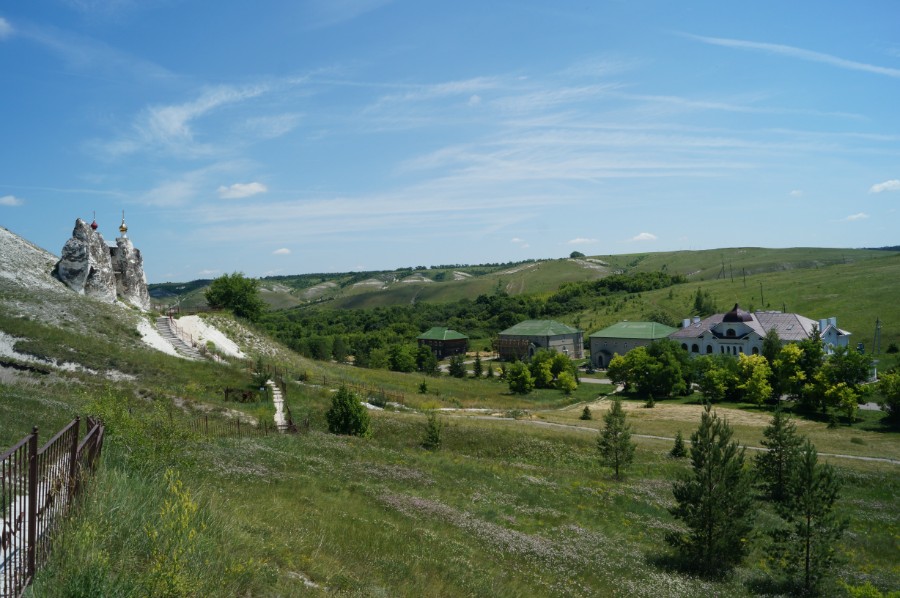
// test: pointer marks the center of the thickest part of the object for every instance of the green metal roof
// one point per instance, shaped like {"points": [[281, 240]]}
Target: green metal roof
{"points": [[640, 330], [539, 328], [441, 334]]}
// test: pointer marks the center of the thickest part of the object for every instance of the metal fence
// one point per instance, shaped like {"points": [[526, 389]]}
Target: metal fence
{"points": [[233, 428], [37, 486]]}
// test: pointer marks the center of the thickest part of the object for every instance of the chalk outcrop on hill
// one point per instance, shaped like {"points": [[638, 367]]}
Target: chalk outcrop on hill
{"points": [[128, 267], [89, 266], [85, 265]]}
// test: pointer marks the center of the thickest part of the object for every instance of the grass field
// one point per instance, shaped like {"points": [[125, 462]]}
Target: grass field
{"points": [[515, 503]]}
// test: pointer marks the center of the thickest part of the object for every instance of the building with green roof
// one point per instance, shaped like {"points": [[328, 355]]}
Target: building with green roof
{"points": [[622, 337], [444, 341], [523, 339]]}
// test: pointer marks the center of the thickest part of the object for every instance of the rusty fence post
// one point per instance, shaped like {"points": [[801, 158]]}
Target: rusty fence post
{"points": [[32, 504], [73, 461]]}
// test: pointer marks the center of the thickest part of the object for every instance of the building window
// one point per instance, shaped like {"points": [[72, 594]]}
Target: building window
{"points": [[755, 350], [695, 348], [730, 332], [684, 346], [708, 349]]}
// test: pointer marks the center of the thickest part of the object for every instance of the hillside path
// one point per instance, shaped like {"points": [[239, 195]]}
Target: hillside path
{"points": [[278, 402]]}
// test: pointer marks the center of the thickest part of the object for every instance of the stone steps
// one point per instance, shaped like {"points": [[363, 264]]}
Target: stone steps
{"points": [[164, 326]]}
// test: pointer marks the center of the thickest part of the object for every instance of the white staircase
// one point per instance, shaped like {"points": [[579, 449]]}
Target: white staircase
{"points": [[164, 325]]}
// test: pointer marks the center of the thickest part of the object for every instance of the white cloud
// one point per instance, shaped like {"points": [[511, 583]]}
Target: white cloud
{"points": [[799, 53], [282, 251], [10, 201], [891, 185], [644, 237], [207, 272], [516, 240], [859, 216], [241, 190], [796, 193], [6, 29], [582, 241], [474, 100], [270, 127]]}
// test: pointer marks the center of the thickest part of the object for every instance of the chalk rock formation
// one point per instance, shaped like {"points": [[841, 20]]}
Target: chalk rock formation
{"points": [[128, 265], [85, 265]]}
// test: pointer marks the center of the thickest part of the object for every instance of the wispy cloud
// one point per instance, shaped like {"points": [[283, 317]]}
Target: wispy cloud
{"points": [[582, 241], [205, 273], [796, 193], [891, 185], [859, 216], [282, 251], [10, 201], [800, 53], [644, 237], [270, 127], [6, 30], [241, 190]]}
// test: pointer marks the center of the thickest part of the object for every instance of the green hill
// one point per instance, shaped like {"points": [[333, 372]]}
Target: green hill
{"points": [[514, 503]]}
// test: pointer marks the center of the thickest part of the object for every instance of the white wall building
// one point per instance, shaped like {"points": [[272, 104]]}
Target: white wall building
{"points": [[738, 332]]}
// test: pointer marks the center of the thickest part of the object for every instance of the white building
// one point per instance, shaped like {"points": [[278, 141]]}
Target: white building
{"points": [[738, 332]]}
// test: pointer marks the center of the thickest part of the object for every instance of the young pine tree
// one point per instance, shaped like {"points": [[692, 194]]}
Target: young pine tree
{"points": [[614, 443], [806, 545], [433, 429], [678, 451], [774, 467], [477, 368], [586, 413], [714, 501], [347, 415]]}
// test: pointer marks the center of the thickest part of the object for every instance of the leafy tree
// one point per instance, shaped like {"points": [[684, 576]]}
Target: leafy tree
{"points": [[560, 363], [401, 359], [477, 368], [614, 443], [714, 380], [433, 429], [771, 345], [347, 415], [457, 368], [339, 349], [807, 542], [576, 254], [812, 354], [378, 359], [755, 373], [889, 387], [426, 361], [774, 466], [678, 451], [842, 397], [847, 366], [586, 413], [237, 293], [789, 371], [541, 367], [661, 369], [519, 378], [617, 370], [714, 501], [566, 383]]}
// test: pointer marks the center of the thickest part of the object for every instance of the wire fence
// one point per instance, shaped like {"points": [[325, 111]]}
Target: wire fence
{"points": [[37, 487]]}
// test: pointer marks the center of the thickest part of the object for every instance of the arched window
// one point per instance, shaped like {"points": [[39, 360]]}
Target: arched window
{"points": [[740, 349], [684, 346], [708, 349], [730, 332], [755, 350], [721, 349], [695, 348]]}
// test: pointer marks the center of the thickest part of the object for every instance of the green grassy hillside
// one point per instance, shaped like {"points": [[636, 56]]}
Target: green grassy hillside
{"points": [[515, 503]]}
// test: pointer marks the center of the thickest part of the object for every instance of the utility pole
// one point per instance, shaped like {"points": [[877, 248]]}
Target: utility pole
{"points": [[761, 298]]}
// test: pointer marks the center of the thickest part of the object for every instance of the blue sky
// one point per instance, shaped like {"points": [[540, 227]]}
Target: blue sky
{"points": [[283, 137]]}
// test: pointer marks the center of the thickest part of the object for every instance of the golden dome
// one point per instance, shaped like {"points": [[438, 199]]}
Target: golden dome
{"points": [[123, 228]]}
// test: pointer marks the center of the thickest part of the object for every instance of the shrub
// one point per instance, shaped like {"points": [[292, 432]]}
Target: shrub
{"points": [[423, 388], [347, 415], [586, 413], [433, 428]]}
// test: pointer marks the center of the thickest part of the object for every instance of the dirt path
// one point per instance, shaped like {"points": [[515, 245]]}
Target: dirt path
{"points": [[651, 437]]}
